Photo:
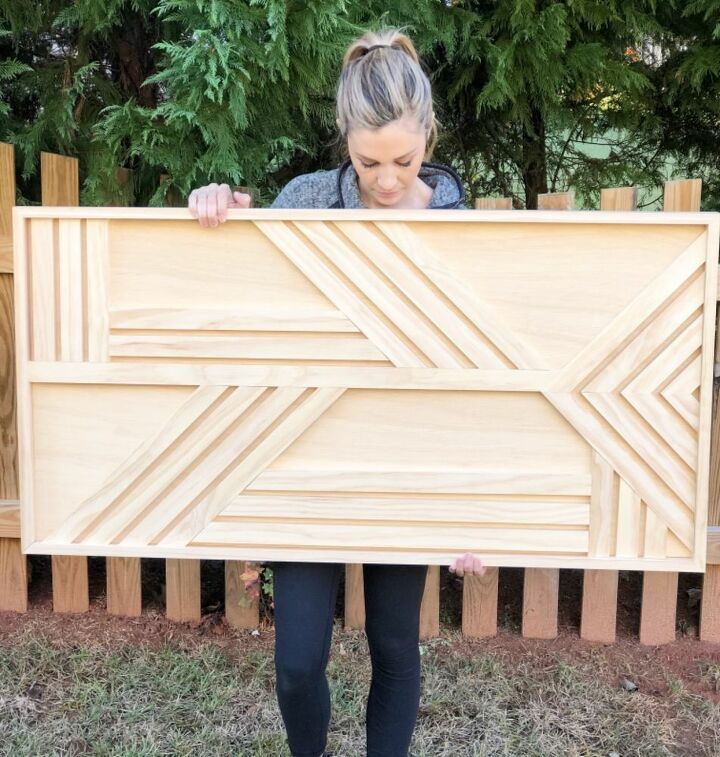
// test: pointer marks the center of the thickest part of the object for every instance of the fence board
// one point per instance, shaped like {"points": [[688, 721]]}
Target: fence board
{"points": [[430, 606], [540, 603], [710, 598], [59, 179], [354, 597], [13, 563], [556, 201], [493, 203], [70, 584], [598, 617], [480, 604], [7, 200], [540, 595], [659, 598], [13, 576], [242, 610], [60, 185], [182, 587], [124, 592]]}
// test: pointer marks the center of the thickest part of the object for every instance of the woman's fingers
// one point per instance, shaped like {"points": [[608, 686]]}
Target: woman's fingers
{"points": [[468, 564], [202, 207], [210, 204], [222, 198], [240, 200]]}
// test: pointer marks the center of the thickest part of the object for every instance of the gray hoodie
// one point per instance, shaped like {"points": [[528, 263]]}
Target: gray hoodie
{"points": [[339, 188]]}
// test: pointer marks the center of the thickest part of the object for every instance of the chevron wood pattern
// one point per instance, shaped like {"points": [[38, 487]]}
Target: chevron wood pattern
{"points": [[367, 387]]}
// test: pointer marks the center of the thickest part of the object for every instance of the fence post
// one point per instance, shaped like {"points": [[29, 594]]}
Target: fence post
{"points": [[493, 203], [541, 585], [710, 607], [354, 597], [60, 185], [480, 593], [659, 597], [13, 563], [598, 619], [124, 574]]}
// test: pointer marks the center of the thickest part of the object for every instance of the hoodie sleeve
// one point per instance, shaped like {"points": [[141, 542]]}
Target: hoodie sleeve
{"points": [[311, 190]]}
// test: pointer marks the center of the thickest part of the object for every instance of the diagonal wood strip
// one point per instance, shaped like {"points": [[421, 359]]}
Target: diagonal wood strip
{"points": [[151, 467], [519, 354], [340, 294], [634, 318], [201, 512]]}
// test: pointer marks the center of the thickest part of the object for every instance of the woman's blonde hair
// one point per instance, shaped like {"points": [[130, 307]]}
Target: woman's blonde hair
{"points": [[382, 80]]}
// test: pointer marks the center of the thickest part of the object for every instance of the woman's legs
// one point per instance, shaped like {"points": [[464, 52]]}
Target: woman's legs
{"points": [[304, 599], [393, 594]]}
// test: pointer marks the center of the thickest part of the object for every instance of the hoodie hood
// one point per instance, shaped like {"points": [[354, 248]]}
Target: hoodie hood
{"points": [[448, 191]]}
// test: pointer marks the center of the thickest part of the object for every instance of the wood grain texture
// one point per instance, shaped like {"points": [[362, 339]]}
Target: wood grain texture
{"points": [[182, 591], [124, 592], [8, 399], [354, 597], [7, 201], [60, 179], [430, 606], [598, 618], [13, 576], [618, 198], [480, 604], [540, 603], [710, 608], [355, 389], [556, 201], [657, 618], [493, 203], [70, 584], [659, 602], [55, 260], [242, 610]]}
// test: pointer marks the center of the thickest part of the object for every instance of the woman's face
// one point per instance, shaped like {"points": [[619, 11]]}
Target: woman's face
{"points": [[387, 161]]}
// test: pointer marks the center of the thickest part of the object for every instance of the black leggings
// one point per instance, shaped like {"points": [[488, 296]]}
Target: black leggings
{"points": [[304, 598]]}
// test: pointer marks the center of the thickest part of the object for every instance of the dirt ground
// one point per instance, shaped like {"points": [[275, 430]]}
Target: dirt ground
{"points": [[649, 668]]}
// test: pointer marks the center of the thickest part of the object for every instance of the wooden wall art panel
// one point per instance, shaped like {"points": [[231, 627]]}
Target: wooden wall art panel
{"points": [[367, 386]]}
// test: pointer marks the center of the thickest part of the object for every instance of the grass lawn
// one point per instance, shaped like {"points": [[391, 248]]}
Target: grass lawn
{"points": [[110, 686]]}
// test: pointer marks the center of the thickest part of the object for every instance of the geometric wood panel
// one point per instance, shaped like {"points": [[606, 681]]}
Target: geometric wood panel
{"points": [[360, 386]]}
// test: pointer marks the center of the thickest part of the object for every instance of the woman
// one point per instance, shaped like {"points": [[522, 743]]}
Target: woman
{"points": [[385, 115]]}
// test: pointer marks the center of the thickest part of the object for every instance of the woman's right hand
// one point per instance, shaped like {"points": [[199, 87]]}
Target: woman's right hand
{"points": [[210, 204]]}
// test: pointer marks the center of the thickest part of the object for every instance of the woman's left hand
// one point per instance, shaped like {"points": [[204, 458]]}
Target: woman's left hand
{"points": [[468, 564]]}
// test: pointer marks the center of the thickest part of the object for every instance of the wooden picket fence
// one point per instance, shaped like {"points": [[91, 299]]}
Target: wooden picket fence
{"points": [[60, 186]]}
